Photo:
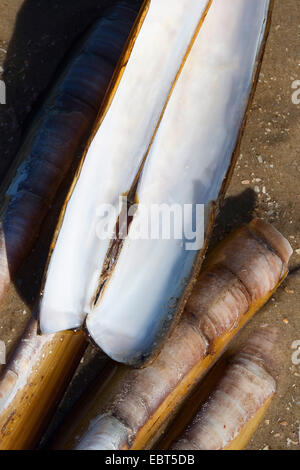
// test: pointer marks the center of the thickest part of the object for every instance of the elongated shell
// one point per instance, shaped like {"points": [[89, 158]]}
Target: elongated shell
{"points": [[232, 413], [162, 143], [57, 135], [33, 383], [131, 410], [36, 377], [155, 55]]}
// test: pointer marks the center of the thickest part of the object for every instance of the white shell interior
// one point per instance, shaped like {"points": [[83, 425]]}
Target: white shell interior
{"points": [[187, 163]]}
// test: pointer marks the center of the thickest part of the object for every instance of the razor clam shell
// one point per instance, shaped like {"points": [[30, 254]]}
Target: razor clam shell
{"points": [[60, 130], [38, 374], [33, 382], [245, 387], [187, 163], [143, 401], [114, 157]]}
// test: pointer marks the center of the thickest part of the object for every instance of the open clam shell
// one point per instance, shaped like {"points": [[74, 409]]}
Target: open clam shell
{"points": [[166, 136]]}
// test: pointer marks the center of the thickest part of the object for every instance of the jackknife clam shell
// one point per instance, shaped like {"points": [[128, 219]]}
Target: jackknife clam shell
{"points": [[169, 131]]}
